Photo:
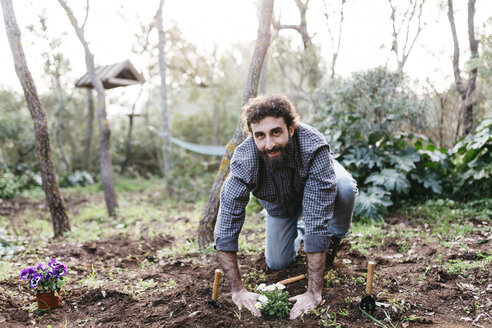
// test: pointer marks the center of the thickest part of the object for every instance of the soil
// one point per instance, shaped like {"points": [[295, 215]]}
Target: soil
{"points": [[410, 287]]}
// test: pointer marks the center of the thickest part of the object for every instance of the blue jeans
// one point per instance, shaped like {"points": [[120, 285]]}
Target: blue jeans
{"points": [[284, 235]]}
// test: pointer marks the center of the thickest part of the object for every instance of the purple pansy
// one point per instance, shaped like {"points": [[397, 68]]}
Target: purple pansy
{"points": [[53, 263], [47, 277], [41, 266], [34, 282], [26, 273], [60, 270]]}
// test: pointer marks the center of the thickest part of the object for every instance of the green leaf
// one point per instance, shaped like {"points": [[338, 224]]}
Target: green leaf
{"points": [[405, 160], [430, 180], [391, 180], [373, 203]]}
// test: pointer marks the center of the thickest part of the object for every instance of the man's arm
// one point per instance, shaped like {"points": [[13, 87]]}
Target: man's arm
{"points": [[310, 299], [240, 296]]}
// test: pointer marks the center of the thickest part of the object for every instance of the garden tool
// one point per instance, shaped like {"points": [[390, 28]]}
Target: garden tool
{"points": [[368, 303], [291, 280], [215, 290]]}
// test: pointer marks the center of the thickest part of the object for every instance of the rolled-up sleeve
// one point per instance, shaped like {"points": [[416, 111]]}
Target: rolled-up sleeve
{"points": [[234, 197], [318, 201]]}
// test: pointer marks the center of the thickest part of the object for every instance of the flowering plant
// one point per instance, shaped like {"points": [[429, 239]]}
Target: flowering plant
{"points": [[273, 301], [45, 279]]}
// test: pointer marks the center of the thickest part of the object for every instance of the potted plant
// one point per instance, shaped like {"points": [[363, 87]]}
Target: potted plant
{"points": [[46, 281]]}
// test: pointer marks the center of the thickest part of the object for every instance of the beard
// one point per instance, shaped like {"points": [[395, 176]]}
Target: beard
{"points": [[280, 161]]}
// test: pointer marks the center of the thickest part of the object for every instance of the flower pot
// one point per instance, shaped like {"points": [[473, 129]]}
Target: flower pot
{"points": [[48, 301]]}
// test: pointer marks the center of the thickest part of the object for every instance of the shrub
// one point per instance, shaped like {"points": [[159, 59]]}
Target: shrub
{"points": [[472, 157], [362, 119]]}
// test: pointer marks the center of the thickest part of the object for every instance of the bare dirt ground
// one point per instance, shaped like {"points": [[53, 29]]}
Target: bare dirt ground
{"points": [[122, 282]]}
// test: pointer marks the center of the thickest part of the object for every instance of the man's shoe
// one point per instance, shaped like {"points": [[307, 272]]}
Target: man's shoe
{"points": [[331, 251]]}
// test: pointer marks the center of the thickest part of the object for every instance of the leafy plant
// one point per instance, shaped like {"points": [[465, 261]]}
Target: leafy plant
{"points": [[273, 301], [363, 118], [45, 279], [473, 159]]}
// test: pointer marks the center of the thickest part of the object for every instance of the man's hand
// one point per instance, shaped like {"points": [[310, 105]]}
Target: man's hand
{"points": [[248, 299], [304, 303], [240, 296], [310, 299]]}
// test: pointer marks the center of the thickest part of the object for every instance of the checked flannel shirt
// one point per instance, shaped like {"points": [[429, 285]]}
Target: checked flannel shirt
{"points": [[307, 182]]}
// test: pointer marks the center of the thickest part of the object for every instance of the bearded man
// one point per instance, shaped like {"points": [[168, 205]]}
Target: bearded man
{"points": [[307, 194]]}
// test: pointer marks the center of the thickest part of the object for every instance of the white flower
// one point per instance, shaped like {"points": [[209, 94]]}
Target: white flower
{"points": [[262, 299], [261, 287], [279, 286], [270, 288], [258, 305]]}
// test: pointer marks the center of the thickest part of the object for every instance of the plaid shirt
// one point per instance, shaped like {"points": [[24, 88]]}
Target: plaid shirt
{"points": [[307, 182]]}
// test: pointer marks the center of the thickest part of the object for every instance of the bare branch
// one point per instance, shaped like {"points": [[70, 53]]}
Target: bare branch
{"points": [[86, 15], [456, 52]]}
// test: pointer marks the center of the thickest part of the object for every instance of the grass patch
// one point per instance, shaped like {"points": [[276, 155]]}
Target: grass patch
{"points": [[369, 234], [462, 267]]}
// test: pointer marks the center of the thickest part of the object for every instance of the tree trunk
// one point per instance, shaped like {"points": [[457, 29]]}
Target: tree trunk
{"points": [[86, 164], [128, 150], [151, 134], [59, 216], [104, 130], [263, 77], [58, 133], [166, 147], [216, 110], [209, 214], [466, 92]]}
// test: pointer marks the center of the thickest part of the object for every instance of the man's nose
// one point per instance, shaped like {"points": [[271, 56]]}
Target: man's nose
{"points": [[269, 143]]}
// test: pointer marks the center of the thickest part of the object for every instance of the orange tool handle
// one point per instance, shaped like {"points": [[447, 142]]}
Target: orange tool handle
{"points": [[215, 291], [370, 275], [291, 280]]}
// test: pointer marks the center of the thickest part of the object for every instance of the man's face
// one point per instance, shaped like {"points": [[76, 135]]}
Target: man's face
{"points": [[272, 137]]}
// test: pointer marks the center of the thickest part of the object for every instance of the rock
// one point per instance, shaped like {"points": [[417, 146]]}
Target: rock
{"points": [[194, 314]]}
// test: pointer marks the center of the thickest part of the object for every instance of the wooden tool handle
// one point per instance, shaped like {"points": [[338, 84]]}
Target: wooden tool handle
{"points": [[370, 275], [215, 291], [291, 280]]}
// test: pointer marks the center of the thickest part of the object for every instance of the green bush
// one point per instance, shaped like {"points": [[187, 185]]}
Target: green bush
{"points": [[362, 119], [472, 156], [11, 185]]}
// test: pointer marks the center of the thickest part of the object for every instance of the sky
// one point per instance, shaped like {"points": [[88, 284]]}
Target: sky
{"points": [[366, 38]]}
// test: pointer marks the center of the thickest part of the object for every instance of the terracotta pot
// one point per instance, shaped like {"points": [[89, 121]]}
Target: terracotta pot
{"points": [[48, 301]]}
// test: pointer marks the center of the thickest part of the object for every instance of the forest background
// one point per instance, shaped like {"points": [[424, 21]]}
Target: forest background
{"points": [[401, 91], [397, 125]]}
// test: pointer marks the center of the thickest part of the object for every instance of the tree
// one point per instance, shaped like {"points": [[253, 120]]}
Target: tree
{"points": [[162, 68], [59, 215], [86, 160], [412, 13], [104, 130], [335, 47], [209, 214], [466, 92], [55, 66], [310, 59]]}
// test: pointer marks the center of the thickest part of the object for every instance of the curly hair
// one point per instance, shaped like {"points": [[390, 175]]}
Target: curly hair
{"points": [[268, 105]]}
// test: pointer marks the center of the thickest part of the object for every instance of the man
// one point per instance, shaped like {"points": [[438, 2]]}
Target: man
{"points": [[288, 166]]}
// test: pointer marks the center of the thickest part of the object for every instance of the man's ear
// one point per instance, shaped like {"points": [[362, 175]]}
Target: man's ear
{"points": [[291, 130]]}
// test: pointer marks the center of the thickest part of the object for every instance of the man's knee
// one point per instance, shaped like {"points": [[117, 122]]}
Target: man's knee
{"points": [[278, 263], [347, 190]]}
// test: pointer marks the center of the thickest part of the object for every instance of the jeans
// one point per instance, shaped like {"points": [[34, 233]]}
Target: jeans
{"points": [[284, 235]]}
